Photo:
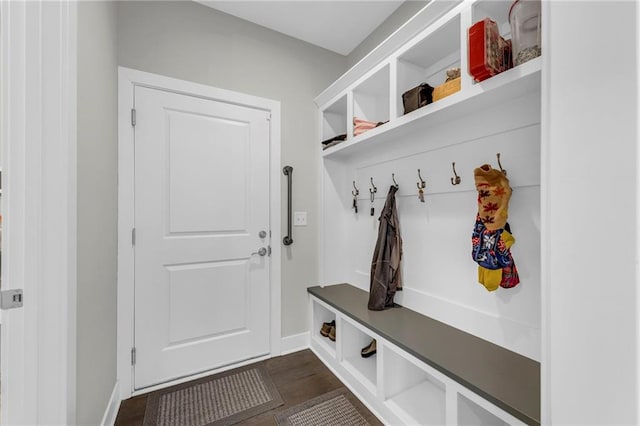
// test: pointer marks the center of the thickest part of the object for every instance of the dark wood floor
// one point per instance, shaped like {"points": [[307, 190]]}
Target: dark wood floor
{"points": [[299, 377]]}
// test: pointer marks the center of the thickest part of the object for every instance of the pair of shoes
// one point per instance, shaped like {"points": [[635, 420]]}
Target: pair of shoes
{"points": [[329, 330], [369, 350]]}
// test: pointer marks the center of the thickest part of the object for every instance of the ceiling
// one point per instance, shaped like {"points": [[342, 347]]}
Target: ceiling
{"points": [[339, 26]]}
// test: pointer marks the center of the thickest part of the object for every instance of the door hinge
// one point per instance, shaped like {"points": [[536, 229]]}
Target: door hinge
{"points": [[133, 236], [133, 117], [269, 117], [268, 250], [11, 299], [133, 356]]}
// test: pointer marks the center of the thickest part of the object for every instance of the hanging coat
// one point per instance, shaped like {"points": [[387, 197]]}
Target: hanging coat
{"points": [[385, 266]]}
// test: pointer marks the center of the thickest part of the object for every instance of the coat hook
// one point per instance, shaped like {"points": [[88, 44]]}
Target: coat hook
{"points": [[456, 180], [393, 177], [500, 165], [355, 194], [422, 184], [372, 196]]}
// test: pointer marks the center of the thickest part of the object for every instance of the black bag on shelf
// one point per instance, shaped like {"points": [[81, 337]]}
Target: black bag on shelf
{"points": [[417, 97]]}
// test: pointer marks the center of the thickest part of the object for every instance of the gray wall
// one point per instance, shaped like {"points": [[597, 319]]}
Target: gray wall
{"points": [[192, 42], [97, 209], [388, 27]]}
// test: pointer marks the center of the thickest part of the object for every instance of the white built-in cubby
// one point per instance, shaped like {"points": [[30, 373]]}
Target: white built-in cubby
{"points": [[499, 115], [354, 338], [413, 390], [371, 96], [323, 314], [334, 119], [427, 60]]}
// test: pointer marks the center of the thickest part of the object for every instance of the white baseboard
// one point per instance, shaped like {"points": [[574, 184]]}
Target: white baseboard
{"points": [[109, 417], [295, 343]]}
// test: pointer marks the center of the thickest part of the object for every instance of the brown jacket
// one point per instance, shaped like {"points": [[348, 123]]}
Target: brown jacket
{"points": [[385, 266]]}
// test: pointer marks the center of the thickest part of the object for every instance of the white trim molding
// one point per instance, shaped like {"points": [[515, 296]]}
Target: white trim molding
{"points": [[295, 343], [127, 80], [421, 20], [39, 108], [110, 414]]}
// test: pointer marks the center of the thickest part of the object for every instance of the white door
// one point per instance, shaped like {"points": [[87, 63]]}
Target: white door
{"points": [[201, 210]]}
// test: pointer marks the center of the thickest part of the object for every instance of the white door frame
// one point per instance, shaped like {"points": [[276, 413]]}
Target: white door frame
{"points": [[127, 80], [38, 77]]}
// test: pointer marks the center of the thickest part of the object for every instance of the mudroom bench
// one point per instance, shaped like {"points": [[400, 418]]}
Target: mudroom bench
{"points": [[424, 372]]}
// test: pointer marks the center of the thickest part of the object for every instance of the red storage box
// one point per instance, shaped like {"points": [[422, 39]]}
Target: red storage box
{"points": [[485, 50]]}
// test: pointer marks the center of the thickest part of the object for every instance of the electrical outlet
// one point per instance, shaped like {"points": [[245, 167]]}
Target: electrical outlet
{"points": [[300, 218]]}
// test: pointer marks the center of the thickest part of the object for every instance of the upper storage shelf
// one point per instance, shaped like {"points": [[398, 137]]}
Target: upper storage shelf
{"points": [[377, 95], [508, 85]]}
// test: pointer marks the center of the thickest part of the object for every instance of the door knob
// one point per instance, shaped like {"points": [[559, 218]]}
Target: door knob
{"points": [[261, 252]]}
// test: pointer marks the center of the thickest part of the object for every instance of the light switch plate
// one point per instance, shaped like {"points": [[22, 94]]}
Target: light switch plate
{"points": [[299, 218]]}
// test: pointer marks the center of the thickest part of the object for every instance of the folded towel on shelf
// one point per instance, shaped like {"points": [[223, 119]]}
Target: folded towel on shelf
{"points": [[360, 126]]}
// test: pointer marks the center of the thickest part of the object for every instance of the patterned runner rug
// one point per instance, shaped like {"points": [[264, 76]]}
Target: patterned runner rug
{"points": [[222, 399], [330, 409]]}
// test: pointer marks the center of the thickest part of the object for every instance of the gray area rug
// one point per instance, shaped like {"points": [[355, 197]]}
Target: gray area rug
{"points": [[222, 399], [329, 409]]}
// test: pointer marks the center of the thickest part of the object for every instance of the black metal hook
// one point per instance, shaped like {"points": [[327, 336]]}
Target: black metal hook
{"points": [[393, 177], [422, 184], [500, 165], [356, 192], [372, 190], [455, 180]]}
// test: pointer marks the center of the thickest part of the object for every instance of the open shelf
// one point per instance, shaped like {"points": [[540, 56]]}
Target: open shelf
{"points": [[334, 119], [500, 88], [427, 61], [371, 97], [321, 315], [471, 414], [353, 339], [417, 396]]}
